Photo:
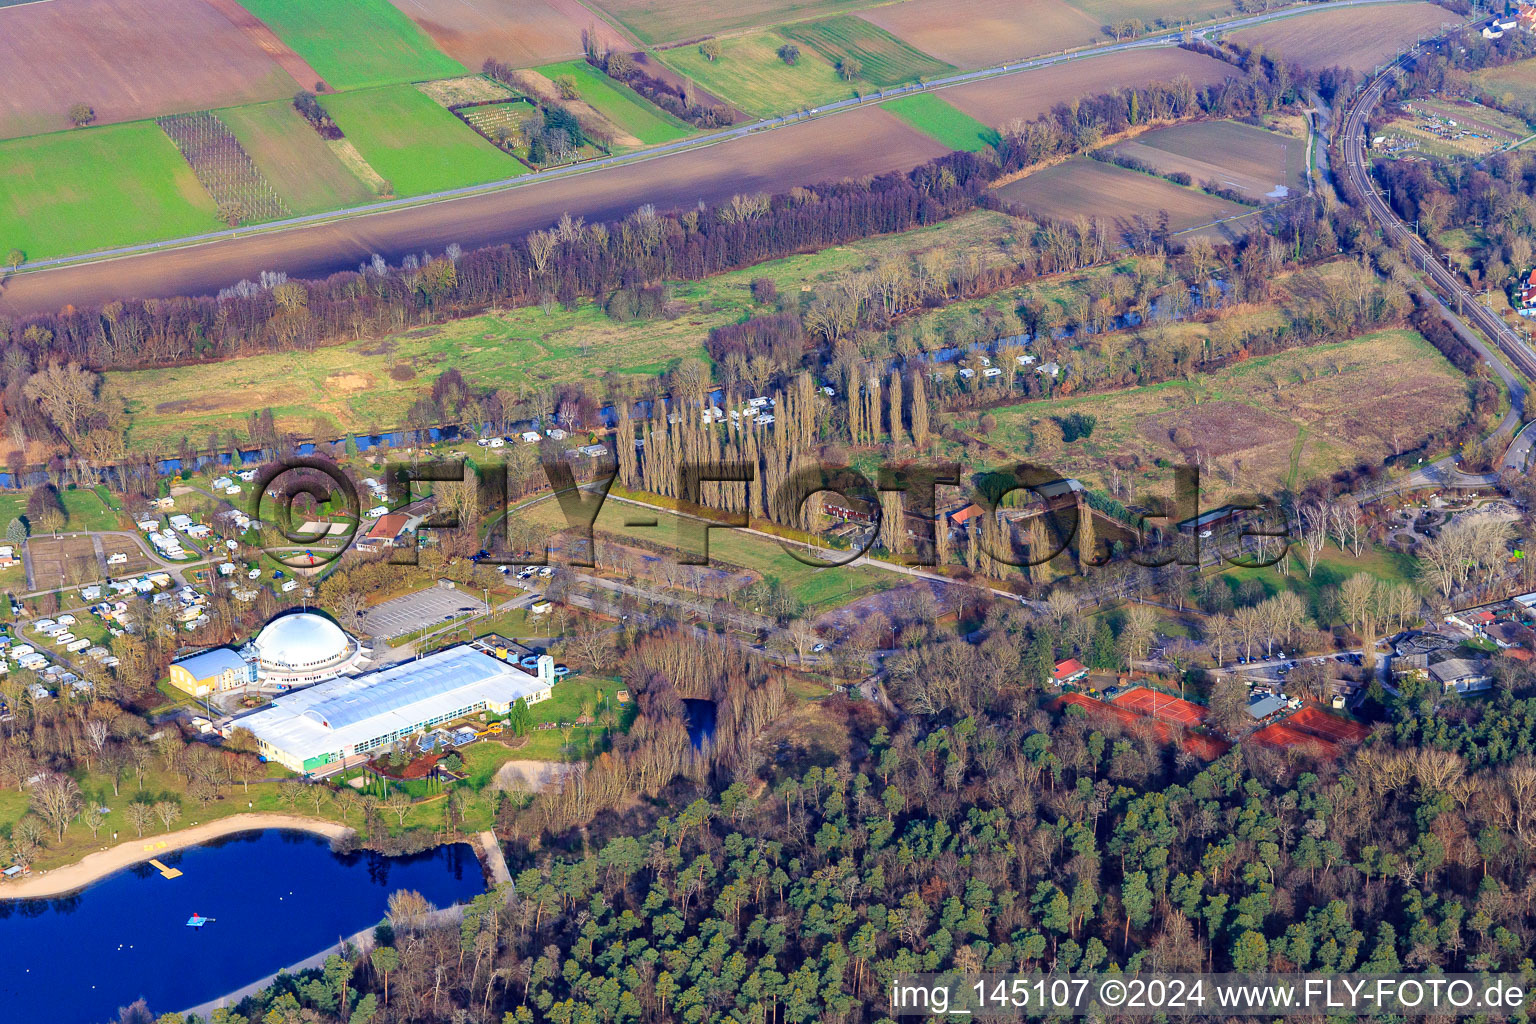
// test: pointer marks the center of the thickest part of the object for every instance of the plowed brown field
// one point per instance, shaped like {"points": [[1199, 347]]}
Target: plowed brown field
{"points": [[127, 60], [1352, 37], [981, 33], [997, 100], [522, 33]]}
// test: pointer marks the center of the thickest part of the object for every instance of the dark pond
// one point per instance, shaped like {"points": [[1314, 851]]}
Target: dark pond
{"points": [[701, 720]]}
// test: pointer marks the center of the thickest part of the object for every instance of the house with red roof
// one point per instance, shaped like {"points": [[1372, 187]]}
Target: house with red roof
{"points": [[1069, 671], [383, 532], [1527, 296]]}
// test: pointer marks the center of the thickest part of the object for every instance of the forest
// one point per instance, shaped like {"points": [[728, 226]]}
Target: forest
{"points": [[985, 832]]}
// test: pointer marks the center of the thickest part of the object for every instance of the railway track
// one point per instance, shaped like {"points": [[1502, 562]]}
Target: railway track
{"points": [[1455, 296]]}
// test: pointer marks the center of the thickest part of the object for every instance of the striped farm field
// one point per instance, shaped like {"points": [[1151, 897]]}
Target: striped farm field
{"points": [[415, 144], [932, 116], [883, 59]]}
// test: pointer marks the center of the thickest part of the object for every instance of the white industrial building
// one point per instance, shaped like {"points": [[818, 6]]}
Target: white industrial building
{"points": [[332, 721]]}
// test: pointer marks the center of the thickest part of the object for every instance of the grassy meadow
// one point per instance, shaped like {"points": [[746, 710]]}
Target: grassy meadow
{"points": [[355, 43], [1265, 423], [750, 74], [78, 191], [415, 144], [298, 163], [933, 117], [349, 387], [620, 104], [1512, 83], [817, 589]]}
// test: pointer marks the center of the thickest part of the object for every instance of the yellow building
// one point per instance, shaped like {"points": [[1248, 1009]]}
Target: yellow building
{"points": [[211, 671]]}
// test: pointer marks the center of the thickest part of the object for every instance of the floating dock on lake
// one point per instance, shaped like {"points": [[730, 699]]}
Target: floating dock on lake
{"points": [[197, 921], [165, 871]]}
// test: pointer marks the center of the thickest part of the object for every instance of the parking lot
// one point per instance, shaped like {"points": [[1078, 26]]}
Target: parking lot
{"points": [[406, 614]]}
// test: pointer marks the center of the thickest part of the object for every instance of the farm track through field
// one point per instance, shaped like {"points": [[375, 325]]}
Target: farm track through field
{"points": [[767, 155]]}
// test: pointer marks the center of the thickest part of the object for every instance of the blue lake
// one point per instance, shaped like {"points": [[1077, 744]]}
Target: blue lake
{"points": [[275, 897]]}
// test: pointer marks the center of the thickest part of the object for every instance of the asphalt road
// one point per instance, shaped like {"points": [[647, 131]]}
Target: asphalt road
{"points": [[322, 244]]}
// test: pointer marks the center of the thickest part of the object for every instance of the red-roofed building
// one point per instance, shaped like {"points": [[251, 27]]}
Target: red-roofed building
{"points": [[1527, 290], [1069, 671], [965, 515], [383, 532]]}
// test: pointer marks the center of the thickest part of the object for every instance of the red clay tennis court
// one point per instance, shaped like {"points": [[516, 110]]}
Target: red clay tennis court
{"points": [[1281, 737], [1160, 705], [1329, 727], [1207, 747]]}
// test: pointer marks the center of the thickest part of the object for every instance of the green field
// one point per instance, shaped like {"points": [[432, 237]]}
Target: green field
{"points": [[936, 118], [1176, 12], [73, 192], [750, 74], [885, 59], [349, 386], [666, 21], [416, 145], [355, 43], [620, 104], [298, 163], [86, 511]]}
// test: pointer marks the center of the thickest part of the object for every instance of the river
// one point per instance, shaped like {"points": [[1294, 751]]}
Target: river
{"points": [[275, 897]]}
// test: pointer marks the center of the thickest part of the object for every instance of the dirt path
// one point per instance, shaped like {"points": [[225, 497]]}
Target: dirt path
{"points": [[305, 76], [102, 863]]}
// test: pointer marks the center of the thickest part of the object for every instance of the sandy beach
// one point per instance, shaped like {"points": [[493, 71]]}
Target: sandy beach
{"points": [[104, 862]]}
